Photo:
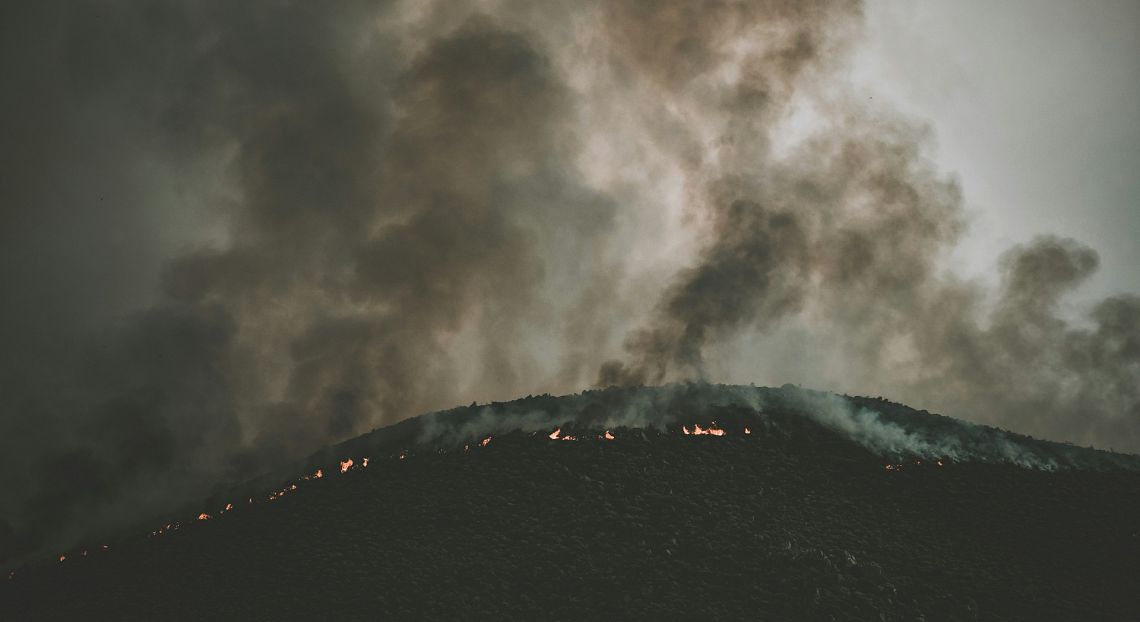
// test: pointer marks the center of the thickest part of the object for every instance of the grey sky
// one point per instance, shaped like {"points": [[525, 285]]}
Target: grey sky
{"points": [[1035, 105]]}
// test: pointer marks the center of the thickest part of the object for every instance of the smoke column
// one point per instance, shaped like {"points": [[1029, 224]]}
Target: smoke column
{"points": [[236, 232]]}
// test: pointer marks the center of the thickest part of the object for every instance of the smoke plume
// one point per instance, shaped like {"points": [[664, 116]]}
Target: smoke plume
{"points": [[236, 232]]}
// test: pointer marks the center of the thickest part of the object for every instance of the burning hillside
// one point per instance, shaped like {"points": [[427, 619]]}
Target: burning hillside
{"points": [[626, 504]]}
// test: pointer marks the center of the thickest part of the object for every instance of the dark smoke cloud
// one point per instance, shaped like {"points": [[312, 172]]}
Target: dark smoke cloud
{"points": [[236, 232]]}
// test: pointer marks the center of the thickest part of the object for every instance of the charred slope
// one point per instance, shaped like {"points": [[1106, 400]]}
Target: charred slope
{"points": [[794, 520]]}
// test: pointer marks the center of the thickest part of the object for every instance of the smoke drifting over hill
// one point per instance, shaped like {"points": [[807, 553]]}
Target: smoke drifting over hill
{"points": [[235, 232]]}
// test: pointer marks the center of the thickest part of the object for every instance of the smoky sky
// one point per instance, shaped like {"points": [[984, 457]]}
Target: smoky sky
{"points": [[235, 232]]}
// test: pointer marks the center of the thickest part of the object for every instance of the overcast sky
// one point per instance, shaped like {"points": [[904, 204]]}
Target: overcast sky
{"points": [[1034, 105]]}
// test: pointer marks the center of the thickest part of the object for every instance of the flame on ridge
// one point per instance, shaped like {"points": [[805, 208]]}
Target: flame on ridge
{"points": [[699, 431]]}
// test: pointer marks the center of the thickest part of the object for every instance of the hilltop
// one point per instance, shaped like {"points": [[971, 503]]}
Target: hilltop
{"points": [[788, 504]]}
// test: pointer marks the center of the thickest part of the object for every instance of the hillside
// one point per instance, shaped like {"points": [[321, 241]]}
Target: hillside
{"points": [[800, 505]]}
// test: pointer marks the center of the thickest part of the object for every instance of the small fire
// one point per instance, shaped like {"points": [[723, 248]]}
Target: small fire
{"points": [[61, 558], [404, 455], [203, 516], [364, 463], [486, 441], [609, 436], [699, 431], [345, 465], [555, 433], [229, 506], [747, 431], [939, 463]]}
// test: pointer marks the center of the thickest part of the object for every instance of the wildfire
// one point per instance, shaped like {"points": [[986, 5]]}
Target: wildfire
{"points": [[61, 558], [345, 465], [609, 436], [229, 506], [203, 516], [404, 455], [364, 463], [699, 431], [939, 464], [554, 436], [486, 441], [747, 431]]}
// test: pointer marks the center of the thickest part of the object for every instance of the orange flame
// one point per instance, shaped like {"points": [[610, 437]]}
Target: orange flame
{"points": [[939, 463], [229, 506], [62, 557], [747, 431], [203, 516], [699, 431], [486, 441], [345, 465], [555, 433], [609, 436], [364, 463]]}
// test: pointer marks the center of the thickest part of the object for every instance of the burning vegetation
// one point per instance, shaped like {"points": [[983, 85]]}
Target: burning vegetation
{"points": [[348, 464]]}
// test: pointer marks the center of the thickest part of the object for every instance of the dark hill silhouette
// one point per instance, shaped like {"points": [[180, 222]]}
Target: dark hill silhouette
{"points": [[829, 507]]}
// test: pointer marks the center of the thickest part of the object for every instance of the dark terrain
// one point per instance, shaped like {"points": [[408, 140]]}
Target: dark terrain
{"points": [[792, 521]]}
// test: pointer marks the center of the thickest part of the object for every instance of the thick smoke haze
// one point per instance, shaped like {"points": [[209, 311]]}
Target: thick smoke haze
{"points": [[234, 232]]}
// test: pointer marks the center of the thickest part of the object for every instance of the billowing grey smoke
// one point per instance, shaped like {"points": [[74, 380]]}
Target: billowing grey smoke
{"points": [[234, 232]]}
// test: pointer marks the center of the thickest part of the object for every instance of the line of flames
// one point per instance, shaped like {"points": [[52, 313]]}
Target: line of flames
{"points": [[349, 464]]}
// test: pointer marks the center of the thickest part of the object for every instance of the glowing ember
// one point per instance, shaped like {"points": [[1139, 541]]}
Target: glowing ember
{"points": [[404, 455], [105, 547], [699, 431], [229, 506], [319, 474], [747, 431], [939, 463], [203, 516], [62, 557], [555, 433], [609, 436], [345, 465], [569, 438], [364, 463], [486, 441], [293, 487]]}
